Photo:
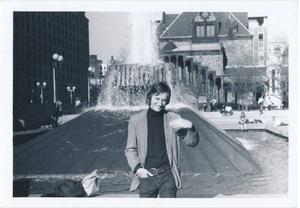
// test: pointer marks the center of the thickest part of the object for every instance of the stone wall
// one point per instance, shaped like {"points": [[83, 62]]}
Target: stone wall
{"points": [[239, 52], [214, 62]]}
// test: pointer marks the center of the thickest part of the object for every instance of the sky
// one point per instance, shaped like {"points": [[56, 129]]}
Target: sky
{"points": [[109, 31]]}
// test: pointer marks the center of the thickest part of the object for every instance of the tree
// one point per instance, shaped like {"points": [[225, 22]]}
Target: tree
{"points": [[246, 81]]}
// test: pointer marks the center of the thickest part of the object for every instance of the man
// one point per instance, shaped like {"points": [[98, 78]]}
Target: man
{"points": [[261, 102], [152, 149], [228, 110]]}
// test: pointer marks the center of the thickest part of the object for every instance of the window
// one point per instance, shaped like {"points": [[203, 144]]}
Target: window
{"points": [[210, 31], [200, 31], [203, 31]]}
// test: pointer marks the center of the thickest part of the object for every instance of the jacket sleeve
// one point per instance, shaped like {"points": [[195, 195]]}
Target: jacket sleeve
{"points": [[191, 138], [131, 150]]}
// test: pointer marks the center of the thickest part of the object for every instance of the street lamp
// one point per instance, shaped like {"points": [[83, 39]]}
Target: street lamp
{"points": [[56, 58], [91, 70], [71, 91], [43, 86]]}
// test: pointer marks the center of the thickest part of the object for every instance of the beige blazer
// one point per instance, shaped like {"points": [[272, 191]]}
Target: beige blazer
{"points": [[136, 149]]}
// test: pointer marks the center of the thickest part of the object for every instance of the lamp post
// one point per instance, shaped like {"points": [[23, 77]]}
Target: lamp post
{"points": [[56, 58], [91, 70], [43, 86], [71, 91]]}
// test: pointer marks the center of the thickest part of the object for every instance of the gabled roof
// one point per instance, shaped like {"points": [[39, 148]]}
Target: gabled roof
{"points": [[183, 25], [169, 19], [168, 47]]}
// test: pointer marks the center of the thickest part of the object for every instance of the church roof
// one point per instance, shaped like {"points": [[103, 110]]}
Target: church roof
{"points": [[182, 25]]}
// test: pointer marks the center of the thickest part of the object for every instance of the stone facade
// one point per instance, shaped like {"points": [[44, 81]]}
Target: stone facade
{"points": [[239, 52], [202, 44], [213, 62]]}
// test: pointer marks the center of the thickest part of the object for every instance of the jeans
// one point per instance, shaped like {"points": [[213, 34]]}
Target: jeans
{"points": [[162, 185]]}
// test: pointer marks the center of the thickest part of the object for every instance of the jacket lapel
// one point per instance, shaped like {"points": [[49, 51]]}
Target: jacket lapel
{"points": [[143, 129], [168, 138]]}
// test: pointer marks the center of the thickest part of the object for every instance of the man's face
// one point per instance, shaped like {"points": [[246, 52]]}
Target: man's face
{"points": [[159, 101]]}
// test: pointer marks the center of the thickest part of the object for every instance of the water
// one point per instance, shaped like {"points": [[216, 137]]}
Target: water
{"points": [[143, 39], [126, 85], [271, 154]]}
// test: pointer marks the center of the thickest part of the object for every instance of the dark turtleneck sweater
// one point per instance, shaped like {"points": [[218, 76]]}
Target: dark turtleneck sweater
{"points": [[157, 152]]}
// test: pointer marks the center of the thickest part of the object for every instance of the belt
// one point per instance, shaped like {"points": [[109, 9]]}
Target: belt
{"points": [[159, 171]]}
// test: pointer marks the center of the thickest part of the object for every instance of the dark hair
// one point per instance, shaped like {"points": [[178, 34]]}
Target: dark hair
{"points": [[158, 88]]}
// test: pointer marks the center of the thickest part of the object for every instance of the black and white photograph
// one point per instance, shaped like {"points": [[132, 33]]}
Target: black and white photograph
{"points": [[108, 104]]}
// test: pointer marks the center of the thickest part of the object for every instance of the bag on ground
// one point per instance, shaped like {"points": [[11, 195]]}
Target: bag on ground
{"points": [[91, 183]]}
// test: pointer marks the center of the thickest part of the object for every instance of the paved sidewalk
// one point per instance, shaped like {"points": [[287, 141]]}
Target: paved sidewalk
{"points": [[217, 118], [62, 120], [231, 122]]}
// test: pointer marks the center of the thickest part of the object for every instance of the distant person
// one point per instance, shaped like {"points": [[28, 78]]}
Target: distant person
{"points": [[243, 121], [57, 112], [262, 117], [153, 143], [269, 103], [59, 103], [261, 102], [228, 111], [282, 105], [213, 102], [20, 125], [223, 111], [77, 104], [278, 122]]}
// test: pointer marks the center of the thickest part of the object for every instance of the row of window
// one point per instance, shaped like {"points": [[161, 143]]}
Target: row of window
{"points": [[69, 60], [80, 51], [70, 36], [62, 18]]}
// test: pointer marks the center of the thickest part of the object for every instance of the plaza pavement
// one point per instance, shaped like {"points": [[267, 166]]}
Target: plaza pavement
{"points": [[224, 122], [231, 122]]}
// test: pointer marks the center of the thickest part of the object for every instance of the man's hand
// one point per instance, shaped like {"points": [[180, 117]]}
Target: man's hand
{"points": [[143, 173], [181, 123]]}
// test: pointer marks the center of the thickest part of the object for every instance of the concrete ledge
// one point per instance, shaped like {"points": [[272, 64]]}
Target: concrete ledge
{"points": [[236, 126], [281, 130]]}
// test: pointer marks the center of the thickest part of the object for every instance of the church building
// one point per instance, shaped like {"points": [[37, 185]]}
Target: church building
{"points": [[207, 48]]}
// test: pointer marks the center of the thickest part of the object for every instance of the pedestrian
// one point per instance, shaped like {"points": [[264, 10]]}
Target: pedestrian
{"points": [[261, 103], [152, 149], [57, 112], [55, 115], [262, 117], [222, 110], [228, 110], [59, 103], [278, 122], [243, 121], [269, 103], [214, 101], [77, 105]]}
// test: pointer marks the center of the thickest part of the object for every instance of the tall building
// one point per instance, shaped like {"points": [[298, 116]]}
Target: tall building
{"points": [[260, 39], [97, 74], [36, 37], [278, 72]]}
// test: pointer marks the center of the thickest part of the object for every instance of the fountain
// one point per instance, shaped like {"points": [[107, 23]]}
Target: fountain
{"points": [[127, 84], [97, 138]]}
